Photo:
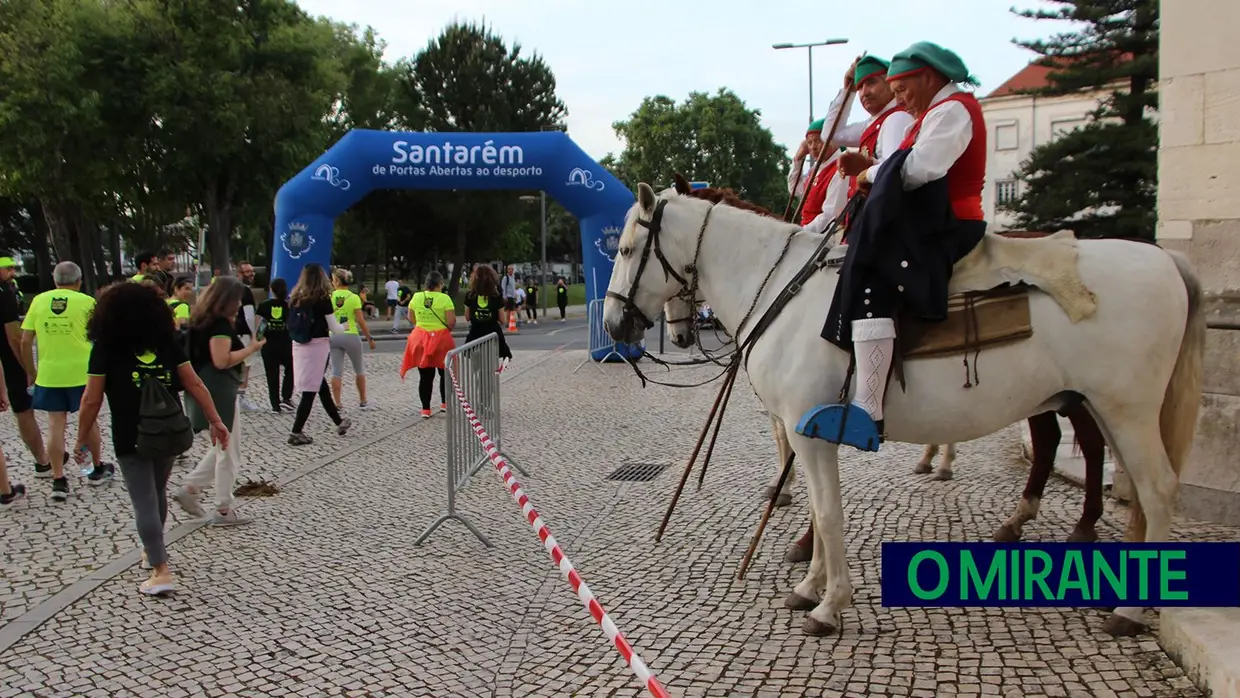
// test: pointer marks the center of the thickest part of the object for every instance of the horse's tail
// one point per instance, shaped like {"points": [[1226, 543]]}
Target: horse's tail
{"points": [[1177, 420]]}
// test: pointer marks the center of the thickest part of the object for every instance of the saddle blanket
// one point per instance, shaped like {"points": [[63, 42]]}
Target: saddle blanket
{"points": [[974, 320]]}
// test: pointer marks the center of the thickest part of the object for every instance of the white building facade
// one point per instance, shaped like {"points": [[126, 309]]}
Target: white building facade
{"points": [[1017, 124]]}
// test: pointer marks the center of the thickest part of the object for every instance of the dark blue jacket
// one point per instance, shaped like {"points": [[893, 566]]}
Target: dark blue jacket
{"points": [[904, 241]]}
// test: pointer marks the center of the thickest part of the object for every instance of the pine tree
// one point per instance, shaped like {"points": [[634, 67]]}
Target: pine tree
{"points": [[1100, 180]]}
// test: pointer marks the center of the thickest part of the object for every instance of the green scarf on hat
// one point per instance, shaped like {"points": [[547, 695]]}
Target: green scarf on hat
{"points": [[925, 54], [867, 66], [815, 126]]}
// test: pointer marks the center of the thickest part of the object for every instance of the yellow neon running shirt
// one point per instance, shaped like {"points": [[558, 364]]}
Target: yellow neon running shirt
{"points": [[58, 320], [345, 303], [430, 309]]}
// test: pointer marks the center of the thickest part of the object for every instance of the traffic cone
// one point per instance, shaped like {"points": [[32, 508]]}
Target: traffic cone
{"points": [[512, 322]]}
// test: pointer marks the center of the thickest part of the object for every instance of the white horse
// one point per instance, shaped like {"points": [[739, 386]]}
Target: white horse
{"points": [[1147, 322], [680, 316]]}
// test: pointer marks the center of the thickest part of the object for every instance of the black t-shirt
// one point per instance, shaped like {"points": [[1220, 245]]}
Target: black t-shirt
{"points": [[483, 309], [275, 312], [247, 298], [200, 341], [10, 311], [561, 295], [404, 294], [123, 373], [531, 294]]}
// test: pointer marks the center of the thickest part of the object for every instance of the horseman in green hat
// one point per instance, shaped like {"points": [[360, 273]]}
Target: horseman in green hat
{"points": [[873, 138], [823, 192], [902, 251]]}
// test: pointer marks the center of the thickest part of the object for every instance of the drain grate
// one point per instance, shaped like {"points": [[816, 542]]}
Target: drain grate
{"points": [[637, 472]]}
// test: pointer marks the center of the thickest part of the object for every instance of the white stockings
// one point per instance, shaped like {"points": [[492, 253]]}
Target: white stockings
{"points": [[874, 343]]}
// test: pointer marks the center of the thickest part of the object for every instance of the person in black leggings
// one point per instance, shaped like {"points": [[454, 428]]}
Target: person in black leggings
{"points": [[561, 296], [277, 353], [313, 294]]}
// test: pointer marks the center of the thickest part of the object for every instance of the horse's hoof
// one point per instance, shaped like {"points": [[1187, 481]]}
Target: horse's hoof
{"points": [[1006, 534], [1083, 535], [1122, 626], [816, 628], [783, 500], [921, 468], [770, 490], [943, 475], [797, 602], [799, 553]]}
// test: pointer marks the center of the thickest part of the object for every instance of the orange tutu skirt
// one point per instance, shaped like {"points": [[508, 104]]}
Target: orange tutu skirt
{"points": [[426, 349]]}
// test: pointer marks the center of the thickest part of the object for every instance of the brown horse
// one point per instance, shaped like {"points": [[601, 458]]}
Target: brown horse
{"points": [[1043, 428]]}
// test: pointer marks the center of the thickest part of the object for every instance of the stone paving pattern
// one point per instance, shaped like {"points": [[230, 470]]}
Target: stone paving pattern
{"points": [[325, 594]]}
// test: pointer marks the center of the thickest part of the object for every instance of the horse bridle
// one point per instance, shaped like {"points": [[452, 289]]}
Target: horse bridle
{"points": [[688, 289]]}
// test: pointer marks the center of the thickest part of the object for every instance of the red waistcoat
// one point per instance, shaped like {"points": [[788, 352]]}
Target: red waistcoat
{"points": [[967, 175], [869, 144], [817, 194]]}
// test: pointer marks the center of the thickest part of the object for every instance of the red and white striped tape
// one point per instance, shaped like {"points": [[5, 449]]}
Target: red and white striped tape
{"points": [[639, 668]]}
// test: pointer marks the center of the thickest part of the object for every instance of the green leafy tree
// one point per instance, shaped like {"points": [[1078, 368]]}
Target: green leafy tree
{"points": [[468, 79], [241, 98], [707, 137], [1100, 180]]}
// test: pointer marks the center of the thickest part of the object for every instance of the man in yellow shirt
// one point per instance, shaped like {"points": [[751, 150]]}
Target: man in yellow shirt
{"points": [[57, 321], [182, 294]]}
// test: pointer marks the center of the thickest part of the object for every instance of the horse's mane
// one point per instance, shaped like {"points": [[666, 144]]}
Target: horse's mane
{"points": [[720, 195]]}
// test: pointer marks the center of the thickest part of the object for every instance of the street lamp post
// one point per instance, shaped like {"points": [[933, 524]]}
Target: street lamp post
{"points": [[810, 46], [542, 268]]}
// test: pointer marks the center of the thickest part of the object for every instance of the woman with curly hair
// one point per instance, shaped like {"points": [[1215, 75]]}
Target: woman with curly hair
{"points": [[134, 338], [218, 355], [482, 305]]}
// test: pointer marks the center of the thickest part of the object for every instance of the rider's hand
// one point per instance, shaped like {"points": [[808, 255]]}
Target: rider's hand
{"points": [[802, 151], [853, 162], [848, 74]]}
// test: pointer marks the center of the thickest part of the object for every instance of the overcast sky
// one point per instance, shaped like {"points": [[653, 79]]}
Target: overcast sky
{"points": [[608, 55]]}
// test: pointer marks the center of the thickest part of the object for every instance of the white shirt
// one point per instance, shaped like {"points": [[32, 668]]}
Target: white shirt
{"points": [[889, 136], [946, 131], [391, 287]]}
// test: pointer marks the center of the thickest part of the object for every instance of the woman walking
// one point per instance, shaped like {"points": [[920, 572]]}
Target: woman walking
{"points": [[217, 353], [278, 351], [310, 308], [135, 339], [430, 341], [561, 296], [482, 306], [347, 306]]}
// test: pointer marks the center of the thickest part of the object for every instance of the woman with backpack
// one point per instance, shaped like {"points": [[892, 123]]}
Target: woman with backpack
{"points": [[311, 322], [135, 354], [482, 306], [218, 355], [278, 351], [430, 341]]}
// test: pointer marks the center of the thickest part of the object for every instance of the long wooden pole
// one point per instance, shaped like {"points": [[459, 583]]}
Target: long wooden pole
{"points": [[723, 408], [766, 515], [684, 477], [835, 124]]}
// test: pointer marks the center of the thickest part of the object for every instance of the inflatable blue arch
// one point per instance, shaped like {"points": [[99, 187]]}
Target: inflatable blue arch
{"points": [[363, 160]]}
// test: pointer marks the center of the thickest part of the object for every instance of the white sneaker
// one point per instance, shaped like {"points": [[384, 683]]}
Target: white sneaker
{"points": [[248, 406]]}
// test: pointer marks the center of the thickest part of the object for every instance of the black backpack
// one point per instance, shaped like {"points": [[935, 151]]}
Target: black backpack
{"points": [[163, 429], [300, 323]]}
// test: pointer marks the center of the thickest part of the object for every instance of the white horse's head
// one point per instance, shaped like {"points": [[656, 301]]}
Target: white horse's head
{"points": [[681, 318], [655, 253]]}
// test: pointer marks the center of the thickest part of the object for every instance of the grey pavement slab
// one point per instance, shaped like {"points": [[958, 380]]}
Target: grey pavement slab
{"points": [[325, 594]]}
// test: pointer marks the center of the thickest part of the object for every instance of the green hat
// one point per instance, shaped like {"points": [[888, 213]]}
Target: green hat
{"points": [[925, 54], [867, 66], [815, 126], [7, 262]]}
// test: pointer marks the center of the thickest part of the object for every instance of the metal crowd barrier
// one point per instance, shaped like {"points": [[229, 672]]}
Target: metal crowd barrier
{"points": [[475, 365], [600, 341]]}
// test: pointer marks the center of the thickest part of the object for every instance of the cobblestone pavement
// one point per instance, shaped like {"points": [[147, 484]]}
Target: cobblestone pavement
{"points": [[326, 595]]}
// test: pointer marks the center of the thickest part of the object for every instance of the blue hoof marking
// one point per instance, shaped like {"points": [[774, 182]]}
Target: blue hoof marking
{"points": [[847, 425]]}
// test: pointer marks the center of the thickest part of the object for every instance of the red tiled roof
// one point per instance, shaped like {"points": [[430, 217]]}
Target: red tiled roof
{"points": [[1031, 77]]}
